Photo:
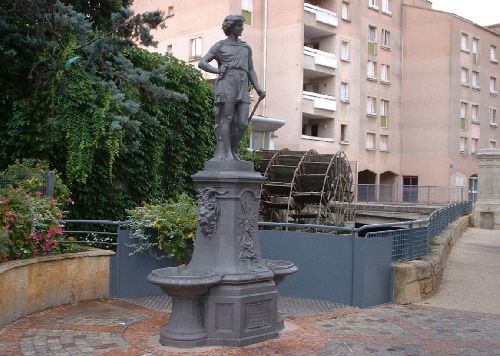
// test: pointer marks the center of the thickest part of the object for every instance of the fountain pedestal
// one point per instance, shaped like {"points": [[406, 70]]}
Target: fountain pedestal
{"points": [[227, 294]]}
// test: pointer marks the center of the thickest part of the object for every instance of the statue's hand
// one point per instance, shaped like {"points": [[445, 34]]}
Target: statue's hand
{"points": [[262, 93], [223, 69]]}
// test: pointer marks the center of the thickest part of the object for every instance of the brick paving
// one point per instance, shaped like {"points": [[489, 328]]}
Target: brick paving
{"points": [[117, 327]]}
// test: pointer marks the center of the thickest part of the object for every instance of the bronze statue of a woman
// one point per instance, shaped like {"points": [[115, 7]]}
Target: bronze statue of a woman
{"points": [[235, 70]]}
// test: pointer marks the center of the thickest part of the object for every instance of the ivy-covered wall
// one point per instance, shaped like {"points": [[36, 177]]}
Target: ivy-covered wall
{"points": [[122, 124]]}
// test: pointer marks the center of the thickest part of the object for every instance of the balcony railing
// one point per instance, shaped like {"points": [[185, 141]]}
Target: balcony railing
{"points": [[324, 102], [321, 57], [322, 15], [409, 194]]}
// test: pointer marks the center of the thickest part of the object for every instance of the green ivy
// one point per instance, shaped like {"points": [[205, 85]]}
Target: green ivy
{"points": [[122, 124]]}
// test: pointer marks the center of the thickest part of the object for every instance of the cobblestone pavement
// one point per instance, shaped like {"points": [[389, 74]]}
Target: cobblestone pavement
{"points": [[117, 327]]}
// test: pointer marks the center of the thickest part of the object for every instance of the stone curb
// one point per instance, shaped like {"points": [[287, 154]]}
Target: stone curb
{"points": [[419, 279], [89, 252]]}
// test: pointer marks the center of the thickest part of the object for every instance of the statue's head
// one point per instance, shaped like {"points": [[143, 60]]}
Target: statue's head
{"points": [[230, 21]]}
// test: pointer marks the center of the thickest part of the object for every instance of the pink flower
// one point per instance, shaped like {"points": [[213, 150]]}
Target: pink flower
{"points": [[38, 193], [47, 247], [53, 202], [7, 226], [36, 236], [51, 231]]}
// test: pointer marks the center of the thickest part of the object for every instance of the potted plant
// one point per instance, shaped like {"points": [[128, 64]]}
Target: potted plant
{"points": [[164, 230]]}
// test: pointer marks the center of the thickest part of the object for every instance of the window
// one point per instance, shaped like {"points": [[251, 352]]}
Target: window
{"points": [[371, 70], [464, 42], [310, 130], [370, 141], [464, 76], [372, 40], [372, 34], [475, 51], [475, 113], [493, 85], [371, 106], [475, 80], [344, 92], [463, 144], [247, 10], [384, 73], [384, 143], [463, 116], [493, 116], [493, 54], [344, 51], [386, 39], [473, 145], [475, 45], [344, 134], [312, 87], [170, 11], [386, 6], [473, 188], [384, 113], [493, 144], [372, 4], [196, 48], [169, 49], [345, 11]]}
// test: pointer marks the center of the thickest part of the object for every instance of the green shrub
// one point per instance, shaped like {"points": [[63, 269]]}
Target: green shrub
{"points": [[169, 227], [29, 224], [31, 174]]}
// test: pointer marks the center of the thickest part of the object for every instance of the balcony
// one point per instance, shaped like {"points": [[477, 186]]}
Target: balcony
{"points": [[317, 105], [318, 64], [319, 22]]}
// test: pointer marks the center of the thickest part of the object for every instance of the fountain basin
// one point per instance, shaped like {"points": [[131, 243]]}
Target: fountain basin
{"points": [[186, 327], [281, 269]]}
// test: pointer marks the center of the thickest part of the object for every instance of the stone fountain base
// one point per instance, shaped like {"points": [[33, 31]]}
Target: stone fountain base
{"points": [[238, 315], [227, 294]]}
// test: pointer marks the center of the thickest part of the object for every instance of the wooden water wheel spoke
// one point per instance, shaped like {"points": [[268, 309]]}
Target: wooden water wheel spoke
{"points": [[306, 187]]}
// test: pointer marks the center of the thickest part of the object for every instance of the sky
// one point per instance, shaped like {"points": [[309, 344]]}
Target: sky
{"points": [[482, 12]]}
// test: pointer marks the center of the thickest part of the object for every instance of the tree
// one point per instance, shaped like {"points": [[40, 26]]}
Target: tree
{"points": [[77, 92]]}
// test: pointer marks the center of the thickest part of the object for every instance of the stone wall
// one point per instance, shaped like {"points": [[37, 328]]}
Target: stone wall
{"points": [[32, 285], [419, 279]]}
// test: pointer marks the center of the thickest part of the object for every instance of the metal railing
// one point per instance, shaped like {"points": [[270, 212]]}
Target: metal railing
{"points": [[104, 236], [411, 239], [409, 194], [47, 181], [415, 240]]}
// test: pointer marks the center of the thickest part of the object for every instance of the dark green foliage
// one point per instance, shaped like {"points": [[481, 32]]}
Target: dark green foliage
{"points": [[113, 118]]}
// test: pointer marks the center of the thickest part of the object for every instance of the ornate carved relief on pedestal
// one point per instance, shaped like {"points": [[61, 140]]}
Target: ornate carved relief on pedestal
{"points": [[250, 258], [208, 210]]}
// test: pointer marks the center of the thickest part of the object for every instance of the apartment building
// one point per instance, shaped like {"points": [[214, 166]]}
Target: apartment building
{"points": [[378, 79], [450, 96]]}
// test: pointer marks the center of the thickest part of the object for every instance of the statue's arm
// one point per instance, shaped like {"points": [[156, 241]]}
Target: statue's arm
{"points": [[204, 63], [252, 76]]}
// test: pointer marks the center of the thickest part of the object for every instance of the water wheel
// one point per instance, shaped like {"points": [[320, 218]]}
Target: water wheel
{"points": [[306, 187]]}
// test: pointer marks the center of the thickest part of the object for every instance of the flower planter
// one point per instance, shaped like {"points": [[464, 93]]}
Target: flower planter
{"points": [[31, 285]]}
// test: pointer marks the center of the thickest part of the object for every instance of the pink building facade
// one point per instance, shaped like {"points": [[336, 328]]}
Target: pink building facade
{"points": [[378, 79]]}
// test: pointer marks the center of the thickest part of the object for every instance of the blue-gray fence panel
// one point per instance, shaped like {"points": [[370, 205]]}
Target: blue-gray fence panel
{"points": [[373, 272], [128, 272], [342, 268]]}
